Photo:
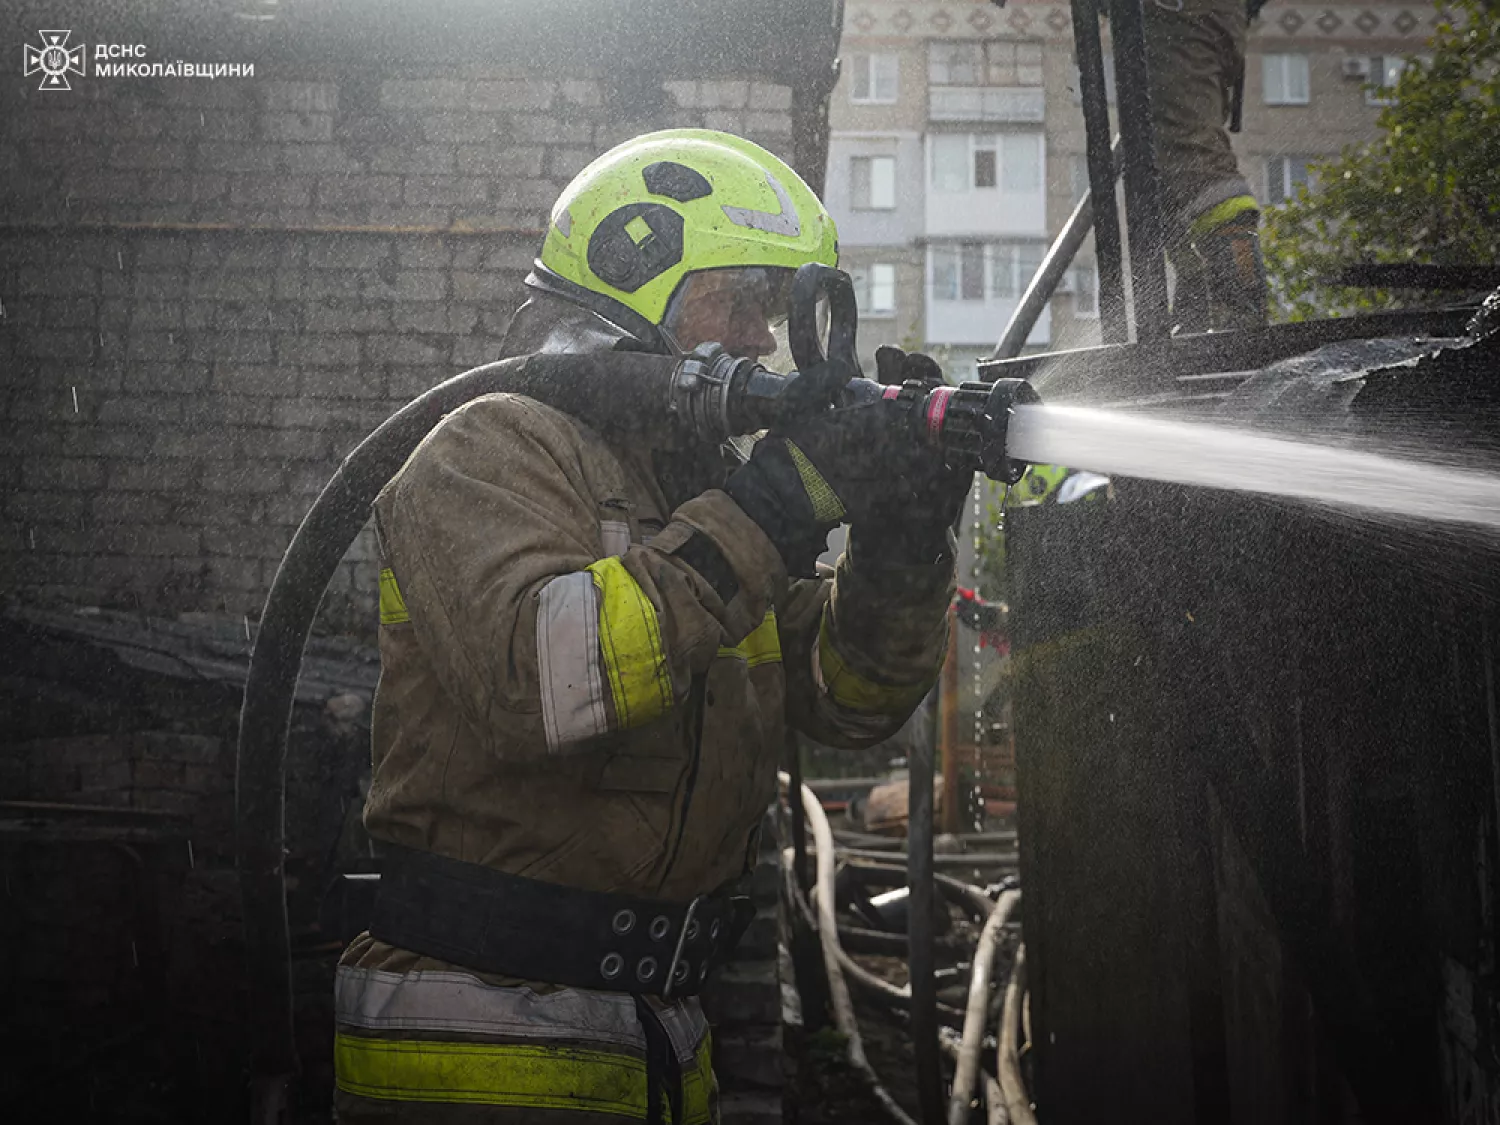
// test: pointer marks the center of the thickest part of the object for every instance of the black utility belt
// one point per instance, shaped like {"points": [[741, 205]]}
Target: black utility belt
{"points": [[513, 926]]}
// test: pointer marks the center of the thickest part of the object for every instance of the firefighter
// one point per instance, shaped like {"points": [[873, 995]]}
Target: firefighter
{"points": [[590, 653], [1195, 54]]}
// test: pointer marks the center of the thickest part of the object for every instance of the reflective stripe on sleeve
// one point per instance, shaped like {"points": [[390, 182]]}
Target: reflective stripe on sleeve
{"points": [[630, 641], [848, 689], [392, 604], [762, 646], [567, 644]]}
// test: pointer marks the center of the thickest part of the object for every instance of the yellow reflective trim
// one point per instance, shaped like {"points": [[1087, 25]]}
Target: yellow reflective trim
{"points": [[762, 646], [827, 507], [849, 689], [506, 1074], [630, 639], [392, 604], [1222, 213], [518, 1075]]}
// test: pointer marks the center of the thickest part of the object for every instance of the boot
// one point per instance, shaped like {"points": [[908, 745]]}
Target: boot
{"points": [[1235, 273], [1190, 293]]}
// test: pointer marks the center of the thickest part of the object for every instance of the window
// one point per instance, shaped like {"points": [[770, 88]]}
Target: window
{"points": [[1012, 266], [873, 79], [997, 63], [1286, 79], [955, 64], [1385, 72], [1085, 291], [982, 162], [958, 272], [875, 290], [1284, 174], [872, 182], [950, 162], [1021, 159]]}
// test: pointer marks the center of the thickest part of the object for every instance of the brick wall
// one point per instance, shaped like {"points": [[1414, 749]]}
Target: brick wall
{"points": [[212, 290]]}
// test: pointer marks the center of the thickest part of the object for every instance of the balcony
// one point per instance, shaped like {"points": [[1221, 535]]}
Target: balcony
{"points": [[999, 104]]}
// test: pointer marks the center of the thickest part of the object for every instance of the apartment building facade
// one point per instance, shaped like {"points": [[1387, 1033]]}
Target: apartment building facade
{"points": [[957, 150]]}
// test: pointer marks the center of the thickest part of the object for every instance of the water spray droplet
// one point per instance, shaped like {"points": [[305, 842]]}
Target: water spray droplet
{"points": [[75, 399]]}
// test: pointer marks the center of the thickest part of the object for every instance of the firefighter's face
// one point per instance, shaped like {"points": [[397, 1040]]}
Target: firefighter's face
{"points": [[737, 308]]}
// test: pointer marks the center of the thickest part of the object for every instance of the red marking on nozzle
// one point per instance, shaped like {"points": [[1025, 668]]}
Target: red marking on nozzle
{"points": [[890, 392], [937, 409]]}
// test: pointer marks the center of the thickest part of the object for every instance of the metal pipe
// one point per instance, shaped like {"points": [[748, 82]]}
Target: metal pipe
{"points": [[799, 823], [919, 959], [1148, 268], [828, 931], [1094, 96], [976, 1015], [1008, 1063], [1043, 284], [948, 730]]}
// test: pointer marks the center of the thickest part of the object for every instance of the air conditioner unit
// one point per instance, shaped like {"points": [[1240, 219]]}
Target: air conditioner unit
{"points": [[1356, 67]]}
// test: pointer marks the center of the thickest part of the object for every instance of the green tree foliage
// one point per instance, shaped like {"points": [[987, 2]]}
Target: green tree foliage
{"points": [[1427, 190]]}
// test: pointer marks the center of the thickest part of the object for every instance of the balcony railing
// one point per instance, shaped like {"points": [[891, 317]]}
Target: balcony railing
{"points": [[987, 103]]}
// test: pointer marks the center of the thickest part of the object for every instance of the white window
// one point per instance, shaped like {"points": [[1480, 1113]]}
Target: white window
{"points": [[875, 289], [1085, 292], [874, 79], [1021, 159], [1012, 266], [1284, 174], [958, 272], [1078, 176], [1000, 62], [873, 182], [964, 162], [950, 162], [1385, 72], [955, 64], [1286, 79]]}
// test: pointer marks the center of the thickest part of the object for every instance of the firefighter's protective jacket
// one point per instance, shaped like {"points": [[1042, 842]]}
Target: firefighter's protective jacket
{"points": [[563, 697]]}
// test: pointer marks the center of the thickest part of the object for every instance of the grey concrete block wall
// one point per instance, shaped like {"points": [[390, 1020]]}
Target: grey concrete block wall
{"points": [[212, 291]]}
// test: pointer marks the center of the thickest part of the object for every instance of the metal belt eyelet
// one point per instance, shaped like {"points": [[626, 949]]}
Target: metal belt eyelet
{"points": [[661, 926], [692, 930], [680, 973], [646, 969], [610, 967], [624, 921]]}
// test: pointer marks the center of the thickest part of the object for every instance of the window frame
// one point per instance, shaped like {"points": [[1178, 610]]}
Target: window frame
{"points": [[868, 62], [869, 203], [866, 286], [1285, 95], [1287, 186]]}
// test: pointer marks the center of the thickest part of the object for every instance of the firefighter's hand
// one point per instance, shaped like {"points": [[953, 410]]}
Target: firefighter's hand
{"points": [[910, 525], [821, 466]]}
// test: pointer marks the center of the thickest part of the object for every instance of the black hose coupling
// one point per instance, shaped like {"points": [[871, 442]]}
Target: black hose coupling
{"points": [[701, 391]]}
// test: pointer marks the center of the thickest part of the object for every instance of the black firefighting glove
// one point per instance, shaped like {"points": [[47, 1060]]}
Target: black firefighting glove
{"points": [[909, 526], [824, 463]]}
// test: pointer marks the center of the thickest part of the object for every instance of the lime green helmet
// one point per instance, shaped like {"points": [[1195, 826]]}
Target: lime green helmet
{"points": [[640, 219]]}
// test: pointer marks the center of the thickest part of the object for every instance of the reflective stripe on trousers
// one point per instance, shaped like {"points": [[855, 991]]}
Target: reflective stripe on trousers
{"points": [[423, 1045]]}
